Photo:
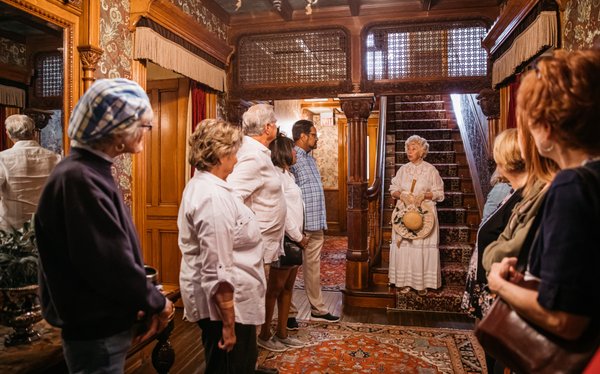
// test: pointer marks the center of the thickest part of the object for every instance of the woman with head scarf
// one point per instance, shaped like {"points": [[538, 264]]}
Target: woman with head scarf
{"points": [[92, 278]]}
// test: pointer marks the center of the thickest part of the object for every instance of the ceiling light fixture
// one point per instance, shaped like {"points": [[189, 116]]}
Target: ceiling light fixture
{"points": [[308, 8]]}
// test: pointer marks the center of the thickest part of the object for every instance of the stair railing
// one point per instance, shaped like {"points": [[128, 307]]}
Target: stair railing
{"points": [[375, 192]]}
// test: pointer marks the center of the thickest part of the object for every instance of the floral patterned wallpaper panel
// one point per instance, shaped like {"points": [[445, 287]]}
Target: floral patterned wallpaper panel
{"points": [[12, 53], [581, 24], [117, 43], [326, 153], [203, 16]]}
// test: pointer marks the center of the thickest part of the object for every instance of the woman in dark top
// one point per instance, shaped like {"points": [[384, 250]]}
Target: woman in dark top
{"points": [[510, 164], [559, 104], [92, 278]]}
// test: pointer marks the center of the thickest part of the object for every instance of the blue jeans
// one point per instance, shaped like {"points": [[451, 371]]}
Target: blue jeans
{"points": [[98, 356]]}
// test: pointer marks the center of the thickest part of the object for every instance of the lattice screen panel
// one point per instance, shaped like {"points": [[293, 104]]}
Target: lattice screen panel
{"points": [[50, 75], [425, 51], [293, 57]]}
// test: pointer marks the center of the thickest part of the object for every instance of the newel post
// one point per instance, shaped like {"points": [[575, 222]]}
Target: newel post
{"points": [[357, 108]]}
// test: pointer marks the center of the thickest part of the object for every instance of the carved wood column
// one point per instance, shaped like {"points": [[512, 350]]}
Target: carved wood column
{"points": [[489, 101], [89, 56], [357, 108]]}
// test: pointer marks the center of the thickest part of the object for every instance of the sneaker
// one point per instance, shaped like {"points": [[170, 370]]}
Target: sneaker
{"points": [[292, 324], [290, 342], [325, 317], [271, 345]]}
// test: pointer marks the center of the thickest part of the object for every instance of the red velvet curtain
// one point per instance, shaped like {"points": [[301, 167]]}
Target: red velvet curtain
{"points": [[198, 104], [511, 121]]}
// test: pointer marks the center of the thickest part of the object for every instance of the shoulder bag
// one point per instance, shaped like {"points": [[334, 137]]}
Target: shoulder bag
{"points": [[521, 345], [293, 253]]}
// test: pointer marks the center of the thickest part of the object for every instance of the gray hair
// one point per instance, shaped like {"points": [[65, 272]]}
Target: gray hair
{"points": [[418, 140], [256, 118], [19, 127]]}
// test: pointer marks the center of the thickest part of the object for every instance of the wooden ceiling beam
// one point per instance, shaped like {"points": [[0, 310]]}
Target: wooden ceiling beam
{"points": [[426, 5], [354, 7]]}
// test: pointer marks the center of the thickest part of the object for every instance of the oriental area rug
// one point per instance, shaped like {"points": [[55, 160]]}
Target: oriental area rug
{"points": [[333, 264], [368, 348]]}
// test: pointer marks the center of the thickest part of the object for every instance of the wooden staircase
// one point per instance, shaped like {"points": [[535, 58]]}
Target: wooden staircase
{"points": [[431, 117]]}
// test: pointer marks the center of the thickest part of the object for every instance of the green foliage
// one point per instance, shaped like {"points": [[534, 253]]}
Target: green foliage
{"points": [[18, 257]]}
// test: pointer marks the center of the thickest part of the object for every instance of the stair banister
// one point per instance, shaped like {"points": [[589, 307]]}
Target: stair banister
{"points": [[377, 185], [376, 190]]}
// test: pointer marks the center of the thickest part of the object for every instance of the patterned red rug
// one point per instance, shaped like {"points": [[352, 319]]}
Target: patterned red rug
{"points": [[333, 264], [366, 348]]}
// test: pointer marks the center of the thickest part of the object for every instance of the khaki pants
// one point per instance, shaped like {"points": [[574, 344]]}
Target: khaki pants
{"points": [[311, 268]]}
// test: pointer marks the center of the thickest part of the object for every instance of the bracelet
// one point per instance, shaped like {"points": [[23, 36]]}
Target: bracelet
{"points": [[226, 304]]}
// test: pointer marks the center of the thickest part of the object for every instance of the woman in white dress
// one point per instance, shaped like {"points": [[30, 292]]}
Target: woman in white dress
{"points": [[416, 263]]}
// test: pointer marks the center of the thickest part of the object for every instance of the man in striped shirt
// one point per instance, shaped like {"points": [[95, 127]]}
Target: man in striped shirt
{"points": [[309, 180]]}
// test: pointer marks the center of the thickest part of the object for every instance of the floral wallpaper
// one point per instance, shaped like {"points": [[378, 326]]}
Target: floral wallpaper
{"points": [[204, 17], [326, 153], [12, 53], [117, 43], [581, 24]]}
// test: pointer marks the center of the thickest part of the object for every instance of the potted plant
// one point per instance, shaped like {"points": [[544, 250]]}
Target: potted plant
{"points": [[19, 302]]}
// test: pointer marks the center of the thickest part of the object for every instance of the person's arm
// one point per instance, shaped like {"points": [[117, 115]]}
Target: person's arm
{"points": [[437, 187], [246, 176], [565, 325], [101, 248], [395, 185], [223, 298], [210, 231]]}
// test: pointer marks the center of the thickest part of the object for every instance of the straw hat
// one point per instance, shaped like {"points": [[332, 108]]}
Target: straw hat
{"points": [[411, 222]]}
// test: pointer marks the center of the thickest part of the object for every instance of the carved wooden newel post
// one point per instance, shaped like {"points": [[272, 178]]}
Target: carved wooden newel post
{"points": [[357, 108]]}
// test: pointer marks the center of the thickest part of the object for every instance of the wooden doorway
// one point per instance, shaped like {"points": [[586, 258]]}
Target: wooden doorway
{"points": [[161, 176]]}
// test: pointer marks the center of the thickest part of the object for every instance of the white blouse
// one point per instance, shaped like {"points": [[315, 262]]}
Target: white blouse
{"points": [[255, 180], [427, 180], [220, 241], [294, 219]]}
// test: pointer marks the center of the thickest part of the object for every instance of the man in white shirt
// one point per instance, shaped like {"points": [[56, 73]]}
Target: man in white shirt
{"points": [[24, 169], [256, 182]]}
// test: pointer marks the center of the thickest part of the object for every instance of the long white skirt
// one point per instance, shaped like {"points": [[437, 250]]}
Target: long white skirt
{"points": [[416, 263]]}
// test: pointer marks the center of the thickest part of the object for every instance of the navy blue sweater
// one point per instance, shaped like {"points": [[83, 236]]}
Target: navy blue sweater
{"points": [[92, 278]]}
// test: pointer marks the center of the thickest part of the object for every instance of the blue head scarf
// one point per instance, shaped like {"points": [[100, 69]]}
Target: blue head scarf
{"points": [[109, 105]]}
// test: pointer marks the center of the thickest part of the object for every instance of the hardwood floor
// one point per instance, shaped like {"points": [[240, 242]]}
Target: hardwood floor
{"points": [[189, 353]]}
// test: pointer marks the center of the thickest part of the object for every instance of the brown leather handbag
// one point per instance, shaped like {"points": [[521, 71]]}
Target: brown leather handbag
{"points": [[521, 345], [526, 348]]}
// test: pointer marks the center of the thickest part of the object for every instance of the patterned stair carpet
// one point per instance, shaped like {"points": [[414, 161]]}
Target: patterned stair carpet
{"points": [[368, 348], [333, 264]]}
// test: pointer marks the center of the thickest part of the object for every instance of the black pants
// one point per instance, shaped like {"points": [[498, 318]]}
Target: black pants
{"points": [[242, 359]]}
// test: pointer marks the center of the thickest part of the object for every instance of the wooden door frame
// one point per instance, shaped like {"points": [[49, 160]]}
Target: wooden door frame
{"points": [[139, 164], [81, 29]]}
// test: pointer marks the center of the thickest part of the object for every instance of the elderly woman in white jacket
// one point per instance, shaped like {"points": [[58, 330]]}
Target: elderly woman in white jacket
{"points": [[222, 278]]}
